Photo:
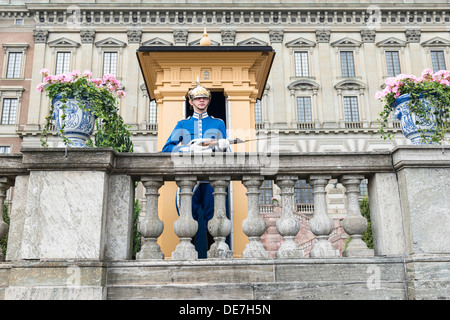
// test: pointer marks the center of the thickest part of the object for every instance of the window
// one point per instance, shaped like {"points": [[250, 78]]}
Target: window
{"points": [[265, 194], [304, 109], [258, 112], [153, 112], [437, 60], [19, 22], [301, 64], [347, 64], [5, 149], [13, 70], [392, 63], [351, 109], [9, 110], [363, 188], [62, 62], [303, 192], [110, 63]]}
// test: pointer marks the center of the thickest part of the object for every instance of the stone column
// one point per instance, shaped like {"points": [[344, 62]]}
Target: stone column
{"points": [[5, 183], [37, 99], [354, 224], [321, 224], [219, 226], [151, 227], [185, 227], [253, 226], [288, 225]]}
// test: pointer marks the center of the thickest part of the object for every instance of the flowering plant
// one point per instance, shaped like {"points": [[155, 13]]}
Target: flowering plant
{"points": [[101, 94], [274, 201], [435, 87]]}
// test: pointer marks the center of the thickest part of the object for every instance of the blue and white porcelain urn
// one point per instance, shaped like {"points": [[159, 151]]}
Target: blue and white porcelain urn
{"points": [[412, 124], [79, 124]]}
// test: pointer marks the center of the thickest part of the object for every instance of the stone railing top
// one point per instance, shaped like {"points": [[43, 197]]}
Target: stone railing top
{"points": [[235, 165]]}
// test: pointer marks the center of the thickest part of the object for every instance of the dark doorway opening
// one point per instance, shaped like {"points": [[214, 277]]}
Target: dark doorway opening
{"points": [[217, 107]]}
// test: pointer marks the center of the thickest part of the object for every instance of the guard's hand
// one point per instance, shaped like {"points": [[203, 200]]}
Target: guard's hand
{"points": [[198, 147], [222, 145]]}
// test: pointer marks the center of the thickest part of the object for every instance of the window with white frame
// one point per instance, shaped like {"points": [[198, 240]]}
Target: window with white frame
{"points": [[266, 192], [392, 63], [14, 67], [304, 109], [347, 64], [363, 188], [5, 149], [153, 112], [437, 60], [351, 112], [258, 111], [303, 192], [301, 64], [62, 62], [110, 63], [9, 110]]}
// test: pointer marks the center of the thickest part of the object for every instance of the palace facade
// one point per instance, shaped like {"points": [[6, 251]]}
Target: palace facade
{"points": [[331, 58]]}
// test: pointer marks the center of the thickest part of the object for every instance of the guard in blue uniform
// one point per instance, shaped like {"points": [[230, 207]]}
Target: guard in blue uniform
{"points": [[189, 135]]}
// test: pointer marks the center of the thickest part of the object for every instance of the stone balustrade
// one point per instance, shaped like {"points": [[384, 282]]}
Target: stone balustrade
{"points": [[79, 205]]}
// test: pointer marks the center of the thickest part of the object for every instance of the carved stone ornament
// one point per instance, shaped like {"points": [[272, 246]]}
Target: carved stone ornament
{"points": [[323, 36], [276, 36], [228, 36], [87, 36], [134, 36], [412, 36], [40, 36], [180, 36], [368, 36]]}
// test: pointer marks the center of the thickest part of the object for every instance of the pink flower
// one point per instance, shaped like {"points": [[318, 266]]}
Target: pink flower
{"points": [[48, 79], [379, 95], [390, 81], [427, 72], [109, 78], [75, 73], [40, 87], [44, 71], [87, 73], [121, 93], [97, 81]]}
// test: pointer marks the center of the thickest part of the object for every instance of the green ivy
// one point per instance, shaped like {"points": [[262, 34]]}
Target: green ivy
{"points": [[4, 241], [136, 233]]}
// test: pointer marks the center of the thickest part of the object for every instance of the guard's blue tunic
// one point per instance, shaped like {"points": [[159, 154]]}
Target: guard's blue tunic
{"points": [[197, 127]]}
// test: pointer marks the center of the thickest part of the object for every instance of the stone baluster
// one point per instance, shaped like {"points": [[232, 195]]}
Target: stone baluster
{"points": [[253, 226], [354, 223], [5, 183], [185, 227], [219, 226], [321, 224], [288, 225], [151, 227]]}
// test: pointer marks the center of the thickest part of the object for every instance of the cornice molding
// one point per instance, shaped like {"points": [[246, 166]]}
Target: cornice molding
{"points": [[270, 15]]}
